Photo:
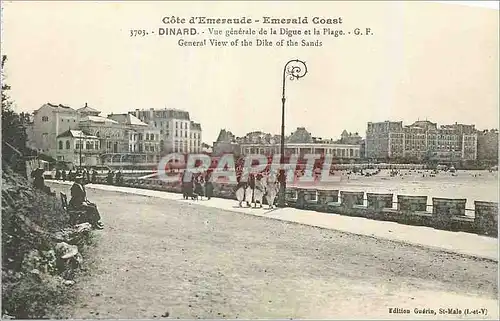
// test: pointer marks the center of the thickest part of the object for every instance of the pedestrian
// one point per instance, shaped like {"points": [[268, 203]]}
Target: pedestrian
{"points": [[241, 188], [118, 178], [198, 186], [209, 186], [63, 175], [249, 192]]}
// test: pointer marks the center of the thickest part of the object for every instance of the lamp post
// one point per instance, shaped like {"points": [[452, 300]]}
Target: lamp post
{"points": [[80, 151], [294, 69]]}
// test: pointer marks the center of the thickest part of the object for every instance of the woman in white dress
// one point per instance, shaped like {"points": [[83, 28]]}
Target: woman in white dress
{"points": [[271, 189], [258, 193]]}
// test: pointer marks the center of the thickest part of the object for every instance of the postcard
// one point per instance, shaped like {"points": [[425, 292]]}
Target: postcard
{"points": [[250, 160]]}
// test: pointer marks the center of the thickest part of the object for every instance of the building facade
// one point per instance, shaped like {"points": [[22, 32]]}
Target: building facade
{"points": [[143, 139], [178, 133], [422, 140], [78, 148], [48, 122], [300, 142], [487, 145]]}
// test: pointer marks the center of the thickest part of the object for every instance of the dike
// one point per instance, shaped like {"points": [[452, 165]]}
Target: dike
{"points": [[42, 254]]}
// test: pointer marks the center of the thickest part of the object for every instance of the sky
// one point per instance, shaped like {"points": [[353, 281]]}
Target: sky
{"points": [[424, 61]]}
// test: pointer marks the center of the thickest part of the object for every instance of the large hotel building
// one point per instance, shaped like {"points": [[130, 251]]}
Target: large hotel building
{"points": [[179, 134], [421, 140]]}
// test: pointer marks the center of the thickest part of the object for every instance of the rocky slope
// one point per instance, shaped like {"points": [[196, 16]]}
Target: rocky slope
{"points": [[41, 252]]}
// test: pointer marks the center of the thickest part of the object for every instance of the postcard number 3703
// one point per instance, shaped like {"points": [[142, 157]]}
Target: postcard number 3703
{"points": [[138, 33]]}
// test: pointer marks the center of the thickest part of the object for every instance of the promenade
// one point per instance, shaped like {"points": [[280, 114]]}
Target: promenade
{"points": [[454, 242], [159, 256]]}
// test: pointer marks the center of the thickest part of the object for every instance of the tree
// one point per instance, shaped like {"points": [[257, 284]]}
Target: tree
{"points": [[14, 135]]}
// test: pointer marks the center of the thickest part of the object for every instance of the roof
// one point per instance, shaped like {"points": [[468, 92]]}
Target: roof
{"points": [[75, 134], [166, 113], [88, 110], [225, 136], [98, 119], [195, 126], [59, 107], [300, 135], [127, 119]]}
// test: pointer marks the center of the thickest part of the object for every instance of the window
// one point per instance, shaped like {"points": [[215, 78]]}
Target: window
{"points": [[68, 146], [45, 118], [60, 144]]}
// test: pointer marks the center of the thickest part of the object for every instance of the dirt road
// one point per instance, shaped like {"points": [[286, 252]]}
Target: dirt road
{"points": [[159, 258]]}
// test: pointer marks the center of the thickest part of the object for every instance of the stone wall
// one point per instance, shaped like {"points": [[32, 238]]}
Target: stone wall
{"points": [[449, 214]]}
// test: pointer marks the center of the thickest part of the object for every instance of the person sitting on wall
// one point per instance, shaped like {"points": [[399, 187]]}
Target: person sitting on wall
{"points": [[79, 201]]}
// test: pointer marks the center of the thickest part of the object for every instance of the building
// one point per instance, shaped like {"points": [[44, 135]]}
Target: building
{"points": [[48, 122], [78, 148], [421, 141], [143, 139], [178, 133], [112, 135], [300, 142], [226, 143], [378, 136], [487, 146], [205, 148], [350, 138]]}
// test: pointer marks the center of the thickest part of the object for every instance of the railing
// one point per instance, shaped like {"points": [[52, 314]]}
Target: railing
{"points": [[445, 213]]}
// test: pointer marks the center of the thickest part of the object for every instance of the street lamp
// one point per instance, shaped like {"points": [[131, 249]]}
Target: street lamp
{"points": [[81, 150], [294, 69]]}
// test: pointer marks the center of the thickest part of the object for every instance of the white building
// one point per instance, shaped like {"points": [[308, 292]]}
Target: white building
{"points": [[78, 148], [178, 133], [49, 121], [143, 139]]}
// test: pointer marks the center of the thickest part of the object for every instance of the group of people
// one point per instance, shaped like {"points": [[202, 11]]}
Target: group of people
{"points": [[256, 187], [87, 175], [195, 186], [114, 177]]}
